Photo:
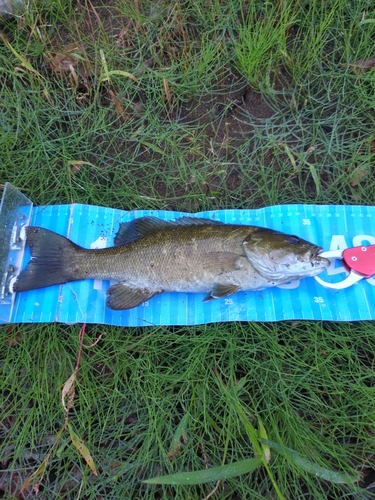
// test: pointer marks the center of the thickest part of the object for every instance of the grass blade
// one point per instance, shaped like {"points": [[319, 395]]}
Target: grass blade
{"points": [[263, 434], [311, 467], [214, 474], [82, 448], [259, 448], [176, 441], [315, 176]]}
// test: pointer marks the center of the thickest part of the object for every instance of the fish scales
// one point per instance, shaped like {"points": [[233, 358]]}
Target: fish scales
{"points": [[189, 255], [179, 258]]}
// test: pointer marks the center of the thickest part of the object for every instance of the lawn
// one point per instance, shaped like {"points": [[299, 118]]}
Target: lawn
{"points": [[188, 106]]}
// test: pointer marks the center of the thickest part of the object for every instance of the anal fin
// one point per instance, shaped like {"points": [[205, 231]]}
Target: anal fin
{"points": [[218, 291], [122, 296]]}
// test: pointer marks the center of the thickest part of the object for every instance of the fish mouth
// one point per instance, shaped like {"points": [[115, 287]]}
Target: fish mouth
{"points": [[316, 251], [314, 258], [317, 258], [311, 255]]}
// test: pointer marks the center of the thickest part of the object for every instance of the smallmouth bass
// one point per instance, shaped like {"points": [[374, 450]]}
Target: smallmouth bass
{"points": [[152, 256]]}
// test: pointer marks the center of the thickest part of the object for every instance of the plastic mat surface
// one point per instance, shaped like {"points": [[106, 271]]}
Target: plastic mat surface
{"points": [[329, 226]]}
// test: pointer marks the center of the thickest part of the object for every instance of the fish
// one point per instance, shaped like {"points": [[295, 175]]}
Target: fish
{"points": [[192, 255]]}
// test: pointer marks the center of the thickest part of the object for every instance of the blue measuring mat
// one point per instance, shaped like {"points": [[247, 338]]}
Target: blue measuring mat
{"points": [[330, 226]]}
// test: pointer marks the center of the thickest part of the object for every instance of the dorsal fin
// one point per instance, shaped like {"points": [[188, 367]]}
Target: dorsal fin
{"points": [[138, 228]]}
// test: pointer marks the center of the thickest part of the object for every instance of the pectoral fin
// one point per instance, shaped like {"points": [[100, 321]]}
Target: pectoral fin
{"points": [[122, 296], [219, 291]]}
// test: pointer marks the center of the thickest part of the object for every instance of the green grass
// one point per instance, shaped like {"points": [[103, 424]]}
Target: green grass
{"points": [[312, 385], [190, 106]]}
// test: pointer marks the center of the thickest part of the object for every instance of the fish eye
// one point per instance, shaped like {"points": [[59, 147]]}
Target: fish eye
{"points": [[294, 240]]}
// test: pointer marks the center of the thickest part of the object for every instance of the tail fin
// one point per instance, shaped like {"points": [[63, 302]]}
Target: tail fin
{"points": [[52, 260]]}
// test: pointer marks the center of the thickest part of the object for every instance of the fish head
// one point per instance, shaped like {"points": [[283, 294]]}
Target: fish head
{"points": [[282, 257]]}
